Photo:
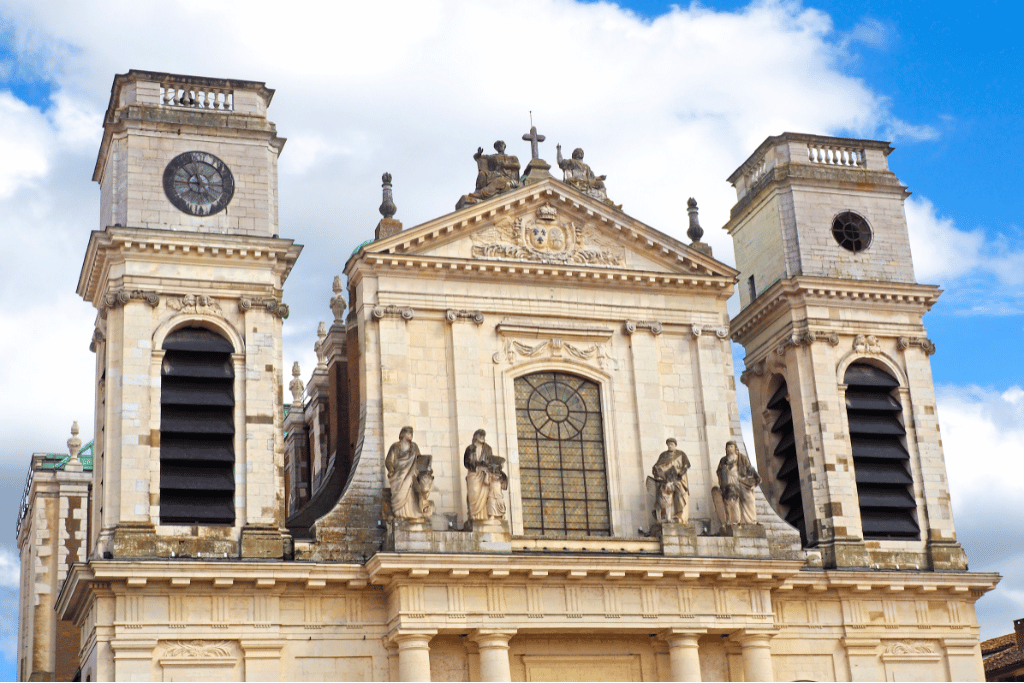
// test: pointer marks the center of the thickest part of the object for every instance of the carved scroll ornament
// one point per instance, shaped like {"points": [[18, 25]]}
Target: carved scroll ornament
{"points": [[198, 649], [452, 316], [380, 312], [927, 345], [553, 348], [653, 326], [722, 331], [246, 303], [122, 296]]}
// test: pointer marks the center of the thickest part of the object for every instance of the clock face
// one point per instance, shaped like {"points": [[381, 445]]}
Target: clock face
{"points": [[198, 183]]}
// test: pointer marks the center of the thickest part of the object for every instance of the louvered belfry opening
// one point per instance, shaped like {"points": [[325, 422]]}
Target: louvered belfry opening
{"points": [[880, 459], [785, 450], [197, 429]]}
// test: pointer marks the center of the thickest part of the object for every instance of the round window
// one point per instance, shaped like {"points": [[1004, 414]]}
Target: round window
{"points": [[851, 231]]}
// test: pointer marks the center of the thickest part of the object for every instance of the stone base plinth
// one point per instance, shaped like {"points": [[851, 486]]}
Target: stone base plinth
{"points": [[676, 539], [264, 542], [423, 536]]}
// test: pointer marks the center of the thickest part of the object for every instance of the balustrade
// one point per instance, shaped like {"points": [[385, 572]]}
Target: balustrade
{"points": [[196, 97], [835, 156]]}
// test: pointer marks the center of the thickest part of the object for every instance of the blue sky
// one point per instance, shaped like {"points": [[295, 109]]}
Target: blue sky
{"points": [[666, 100]]}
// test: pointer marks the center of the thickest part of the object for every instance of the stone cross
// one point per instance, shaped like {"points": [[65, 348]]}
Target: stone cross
{"points": [[534, 140]]}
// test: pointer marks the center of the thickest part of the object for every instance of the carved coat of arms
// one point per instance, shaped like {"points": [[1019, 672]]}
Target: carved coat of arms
{"points": [[545, 238]]}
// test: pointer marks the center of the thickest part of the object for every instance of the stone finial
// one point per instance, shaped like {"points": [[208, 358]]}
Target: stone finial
{"points": [[338, 300], [389, 225], [695, 232], [387, 207], [296, 386], [74, 443], [321, 335]]}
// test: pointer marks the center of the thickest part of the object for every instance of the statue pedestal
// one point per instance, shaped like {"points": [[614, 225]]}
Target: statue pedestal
{"points": [[737, 540], [415, 535], [492, 535], [676, 539]]}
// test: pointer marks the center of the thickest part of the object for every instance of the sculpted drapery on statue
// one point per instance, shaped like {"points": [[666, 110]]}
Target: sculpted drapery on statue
{"points": [[578, 174], [485, 480], [410, 477], [671, 485], [734, 495], [496, 173]]}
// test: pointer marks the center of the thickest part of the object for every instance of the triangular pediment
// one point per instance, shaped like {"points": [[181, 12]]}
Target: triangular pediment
{"points": [[550, 223]]}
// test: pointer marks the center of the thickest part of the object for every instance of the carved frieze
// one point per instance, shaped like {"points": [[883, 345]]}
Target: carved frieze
{"points": [[866, 344], [199, 304], [926, 345], [246, 303], [380, 312], [544, 238], [514, 350], [122, 296], [452, 316], [198, 649], [653, 326], [908, 647]]}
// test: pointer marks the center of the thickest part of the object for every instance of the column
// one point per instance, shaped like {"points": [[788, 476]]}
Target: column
{"points": [[413, 654], [493, 645], [683, 655], [757, 655], [262, 659], [964, 658]]}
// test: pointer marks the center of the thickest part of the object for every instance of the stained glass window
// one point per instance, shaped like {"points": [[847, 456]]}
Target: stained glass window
{"points": [[563, 481]]}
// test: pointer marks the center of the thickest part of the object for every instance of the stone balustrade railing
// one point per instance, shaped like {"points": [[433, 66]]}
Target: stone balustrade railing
{"points": [[757, 171], [196, 97], [832, 155]]}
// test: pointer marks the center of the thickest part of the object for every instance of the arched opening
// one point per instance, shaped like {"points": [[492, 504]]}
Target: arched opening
{"points": [[197, 429], [562, 471], [880, 459], [788, 472]]}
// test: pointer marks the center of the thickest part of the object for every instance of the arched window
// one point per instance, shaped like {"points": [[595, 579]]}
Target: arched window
{"points": [[563, 479], [788, 473], [197, 428], [880, 460]]}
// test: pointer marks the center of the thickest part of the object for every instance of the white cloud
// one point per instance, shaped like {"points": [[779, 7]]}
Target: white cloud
{"points": [[10, 569], [940, 251], [24, 145]]}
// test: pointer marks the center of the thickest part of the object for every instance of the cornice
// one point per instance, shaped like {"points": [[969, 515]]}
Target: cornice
{"points": [[115, 243], [786, 294], [447, 267]]}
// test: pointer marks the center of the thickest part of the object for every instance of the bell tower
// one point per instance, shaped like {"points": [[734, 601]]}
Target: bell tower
{"points": [[187, 272], [837, 357]]}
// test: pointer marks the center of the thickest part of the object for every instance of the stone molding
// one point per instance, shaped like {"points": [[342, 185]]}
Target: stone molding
{"points": [[926, 345], [122, 296], [392, 311], [452, 316], [653, 326], [281, 310]]}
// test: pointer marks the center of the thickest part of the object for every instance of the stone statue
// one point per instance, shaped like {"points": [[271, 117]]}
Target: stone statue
{"points": [[496, 173], [485, 480], [672, 486], [577, 173], [410, 477], [734, 495]]}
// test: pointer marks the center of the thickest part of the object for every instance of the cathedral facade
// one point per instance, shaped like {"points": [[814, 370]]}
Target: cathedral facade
{"points": [[519, 455]]}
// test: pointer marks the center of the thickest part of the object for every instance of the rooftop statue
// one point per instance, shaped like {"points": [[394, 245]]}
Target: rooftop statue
{"points": [[496, 173], [578, 174]]}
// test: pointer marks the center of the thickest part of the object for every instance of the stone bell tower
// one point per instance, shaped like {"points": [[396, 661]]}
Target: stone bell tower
{"points": [[837, 357], [186, 273]]}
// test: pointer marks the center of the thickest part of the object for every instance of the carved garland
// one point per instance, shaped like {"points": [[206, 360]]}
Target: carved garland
{"points": [[907, 647], [380, 312], [197, 304], [553, 348], [198, 648], [246, 303], [654, 326], [452, 315], [122, 296]]}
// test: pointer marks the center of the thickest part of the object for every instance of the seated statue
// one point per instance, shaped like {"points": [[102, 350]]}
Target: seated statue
{"points": [[672, 485], [577, 173], [496, 173], [410, 477], [485, 480], [734, 496]]}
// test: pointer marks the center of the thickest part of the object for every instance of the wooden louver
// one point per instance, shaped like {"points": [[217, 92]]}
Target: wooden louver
{"points": [[885, 486], [197, 428], [788, 473]]}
